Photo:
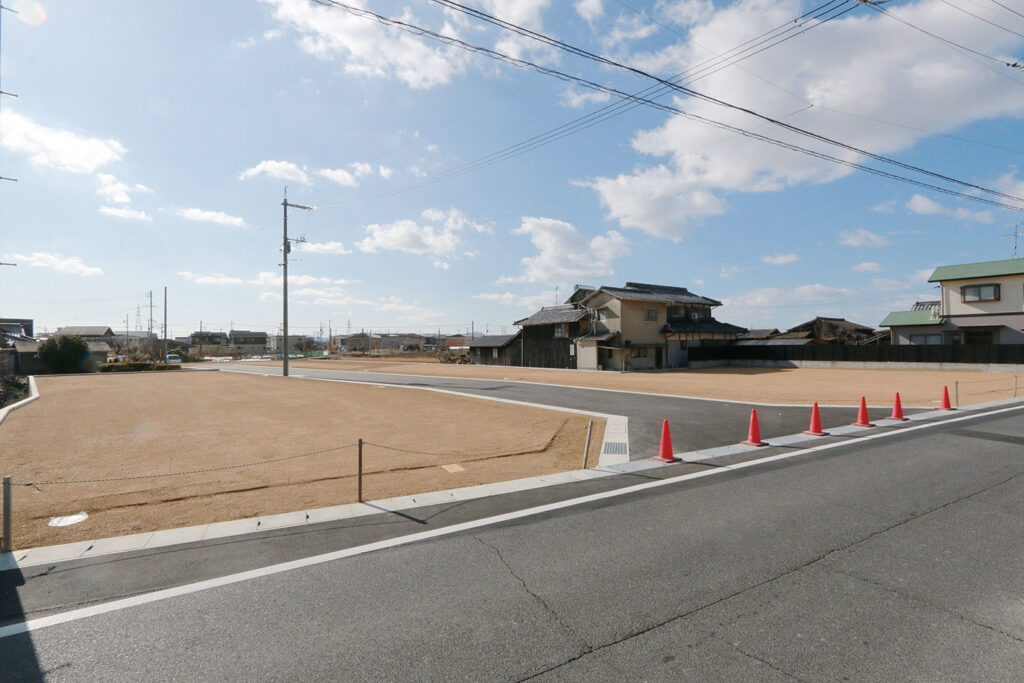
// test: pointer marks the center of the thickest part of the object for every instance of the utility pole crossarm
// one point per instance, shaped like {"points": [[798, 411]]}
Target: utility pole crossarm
{"points": [[286, 247]]}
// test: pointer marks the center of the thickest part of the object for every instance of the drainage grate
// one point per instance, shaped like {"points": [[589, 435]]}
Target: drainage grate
{"points": [[614, 448]]}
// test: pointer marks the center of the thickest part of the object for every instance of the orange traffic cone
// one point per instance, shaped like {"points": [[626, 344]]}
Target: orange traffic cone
{"points": [[897, 409], [815, 429], [862, 415], [945, 399], [754, 433], [665, 452]]}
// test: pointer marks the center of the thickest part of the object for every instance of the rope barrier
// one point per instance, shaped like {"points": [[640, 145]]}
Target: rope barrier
{"points": [[485, 454], [37, 484]]}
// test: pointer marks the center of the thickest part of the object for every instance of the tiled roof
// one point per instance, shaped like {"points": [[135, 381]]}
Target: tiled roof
{"points": [[794, 335], [925, 305], [636, 291], [710, 325], [775, 341], [597, 336], [758, 334], [550, 315], [498, 340], [967, 271], [86, 331]]}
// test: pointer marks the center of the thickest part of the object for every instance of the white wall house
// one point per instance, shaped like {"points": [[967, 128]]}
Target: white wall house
{"points": [[981, 303]]}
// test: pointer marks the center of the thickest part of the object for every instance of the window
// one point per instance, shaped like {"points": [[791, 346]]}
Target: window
{"points": [[561, 330], [639, 353], [651, 315], [494, 352], [602, 314], [925, 339], [979, 293]]}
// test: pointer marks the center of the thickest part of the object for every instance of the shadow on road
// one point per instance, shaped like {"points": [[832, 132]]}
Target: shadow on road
{"points": [[18, 661]]}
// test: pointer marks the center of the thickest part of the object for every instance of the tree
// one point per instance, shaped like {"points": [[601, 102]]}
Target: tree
{"points": [[64, 354]]}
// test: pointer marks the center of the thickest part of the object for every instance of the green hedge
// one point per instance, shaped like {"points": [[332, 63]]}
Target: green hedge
{"points": [[136, 367]]}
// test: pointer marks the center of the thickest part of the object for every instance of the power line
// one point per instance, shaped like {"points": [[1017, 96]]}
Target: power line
{"points": [[673, 110], [620, 107], [949, 43], [981, 18], [571, 49], [1007, 8]]}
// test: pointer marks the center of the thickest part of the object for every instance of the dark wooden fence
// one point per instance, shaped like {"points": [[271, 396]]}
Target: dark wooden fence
{"points": [[880, 353]]}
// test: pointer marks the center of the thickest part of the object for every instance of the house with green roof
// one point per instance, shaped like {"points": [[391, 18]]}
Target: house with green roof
{"points": [[981, 303]]}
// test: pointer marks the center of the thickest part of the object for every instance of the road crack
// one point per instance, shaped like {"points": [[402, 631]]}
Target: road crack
{"points": [[781, 575], [585, 646]]}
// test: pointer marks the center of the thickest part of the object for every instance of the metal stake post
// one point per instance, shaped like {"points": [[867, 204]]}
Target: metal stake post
{"points": [[359, 478], [6, 546], [586, 449], [956, 392]]}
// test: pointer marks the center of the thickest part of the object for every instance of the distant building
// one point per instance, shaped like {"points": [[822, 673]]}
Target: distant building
{"points": [[504, 349], [822, 330], [207, 343], [244, 341], [296, 342]]}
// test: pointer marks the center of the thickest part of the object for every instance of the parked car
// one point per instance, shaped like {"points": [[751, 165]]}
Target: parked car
{"points": [[173, 359]]}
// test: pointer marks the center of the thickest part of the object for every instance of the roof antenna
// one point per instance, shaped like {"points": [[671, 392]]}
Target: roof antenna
{"points": [[1016, 235]]}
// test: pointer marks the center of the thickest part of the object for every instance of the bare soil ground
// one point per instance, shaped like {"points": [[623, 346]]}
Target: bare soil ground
{"points": [[114, 426], [800, 386]]}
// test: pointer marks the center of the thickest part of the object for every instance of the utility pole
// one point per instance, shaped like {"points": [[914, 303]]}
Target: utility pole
{"points": [[286, 247], [1016, 235], [149, 331], [126, 337], [165, 325]]}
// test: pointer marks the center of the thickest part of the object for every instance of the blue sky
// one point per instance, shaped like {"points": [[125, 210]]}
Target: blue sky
{"points": [[152, 143]]}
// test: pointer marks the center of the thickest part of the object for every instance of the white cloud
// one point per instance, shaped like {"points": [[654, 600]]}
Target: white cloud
{"points": [[780, 259], [783, 307], [868, 267], [688, 12], [729, 271], [521, 301], [281, 170], [368, 49], [628, 29], [361, 168], [64, 264], [213, 279], [862, 63], [218, 217], [437, 235], [56, 148], [385, 172], [121, 212], [576, 99], [432, 148], [323, 248], [920, 204], [885, 207], [268, 279], [113, 190], [339, 176], [862, 238], [589, 9], [270, 296], [564, 254]]}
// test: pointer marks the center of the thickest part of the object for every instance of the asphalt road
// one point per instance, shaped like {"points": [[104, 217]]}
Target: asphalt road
{"points": [[884, 559], [695, 423]]}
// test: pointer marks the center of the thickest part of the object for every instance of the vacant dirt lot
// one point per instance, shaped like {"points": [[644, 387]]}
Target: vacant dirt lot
{"points": [[116, 426], [800, 386]]}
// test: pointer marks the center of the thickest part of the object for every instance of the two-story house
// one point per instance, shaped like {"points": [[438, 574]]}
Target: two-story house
{"points": [[981, 303], [645, 327], [244, 341]]}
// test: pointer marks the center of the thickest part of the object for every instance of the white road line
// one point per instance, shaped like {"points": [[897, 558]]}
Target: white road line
{"points": [[585, 388], [135, 601]]}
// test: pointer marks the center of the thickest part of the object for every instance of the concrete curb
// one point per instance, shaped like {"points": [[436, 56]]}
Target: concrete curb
{"points": [[33, 394]]}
